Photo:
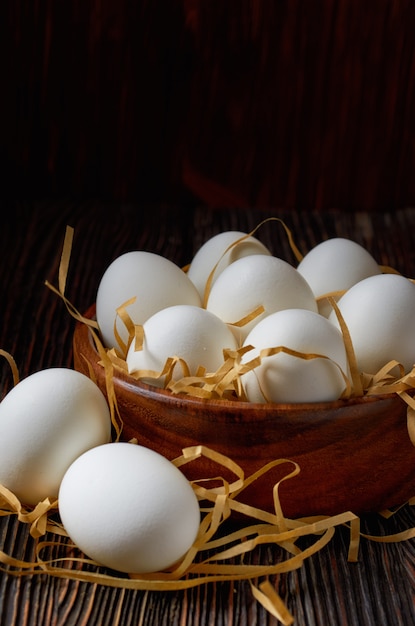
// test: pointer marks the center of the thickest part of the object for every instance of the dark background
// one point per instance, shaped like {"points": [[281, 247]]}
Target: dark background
{"points": [[306, 105]]}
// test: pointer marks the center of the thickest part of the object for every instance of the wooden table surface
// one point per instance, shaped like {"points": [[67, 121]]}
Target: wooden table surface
{"points": [[36, 329]]}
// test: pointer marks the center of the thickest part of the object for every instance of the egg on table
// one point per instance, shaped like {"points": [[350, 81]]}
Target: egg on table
{"points": [[254, 281], [335, 265], [153, 280], [188, 332], [129, 508], [379, 314], [220, 251], [47, 420], [287, 378]]}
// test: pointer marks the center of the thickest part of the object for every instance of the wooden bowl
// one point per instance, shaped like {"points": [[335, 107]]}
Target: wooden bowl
{"points": [[354, 455]]}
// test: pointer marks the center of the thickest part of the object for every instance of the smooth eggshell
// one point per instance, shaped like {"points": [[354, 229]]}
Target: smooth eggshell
{"points": [[284, 378], [155, 282], [336, 264], [214, 255], [258, 280], [188, 332], [129, 508], [379, 314], [46, 421]]}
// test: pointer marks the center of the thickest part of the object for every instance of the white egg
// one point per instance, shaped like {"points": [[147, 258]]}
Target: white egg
{"points": [[214, 254], [285, 378], [254, 281], [155, 282], [379, 314], [335, 265], [47, 420], [188, 332], [129, 508]]}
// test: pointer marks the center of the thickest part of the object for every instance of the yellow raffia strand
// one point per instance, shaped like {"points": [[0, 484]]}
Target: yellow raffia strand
{"points": [[354, 540], [236, 243], [121, 312], [65, 257], [138, 337], [248, 318], [63, 271], [330, 294], [357, 389], [410, 415], [273, 603], [15, 371], [116, 418], [37, 517], [298, 255], [307, 356]]}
